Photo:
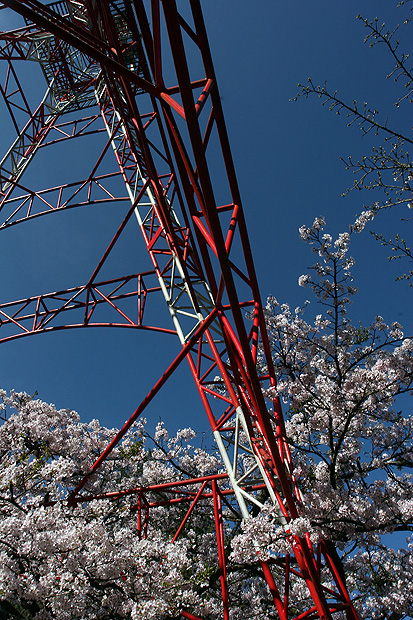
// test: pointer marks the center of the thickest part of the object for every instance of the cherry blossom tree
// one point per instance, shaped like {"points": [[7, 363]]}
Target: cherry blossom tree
{"points": [[352, 446], [87, 561], [387, 170]]}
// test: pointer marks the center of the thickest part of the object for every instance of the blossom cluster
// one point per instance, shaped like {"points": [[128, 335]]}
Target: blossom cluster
{"points": [[88, 561]]}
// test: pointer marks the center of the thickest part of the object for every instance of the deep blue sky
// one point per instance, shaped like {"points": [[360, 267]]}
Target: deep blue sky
{"points": [[287, 157]]}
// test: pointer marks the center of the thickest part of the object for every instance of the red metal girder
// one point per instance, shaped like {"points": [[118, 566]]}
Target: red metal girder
{"points": [[190, 509], [142, 524], [12, 90], [175, 486], [43, 313], [221, 548], [229, 165], [32, 203], [74, 128], [16, 44]]}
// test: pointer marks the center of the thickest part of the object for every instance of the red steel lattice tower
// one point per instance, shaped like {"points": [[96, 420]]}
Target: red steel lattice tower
{"points": [[103, 64]]}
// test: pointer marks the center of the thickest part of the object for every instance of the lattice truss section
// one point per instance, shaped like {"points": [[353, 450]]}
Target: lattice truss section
{"points": [[105, 77]]}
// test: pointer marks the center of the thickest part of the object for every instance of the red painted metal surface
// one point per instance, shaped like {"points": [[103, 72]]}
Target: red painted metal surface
{"points": [[168, 137]]}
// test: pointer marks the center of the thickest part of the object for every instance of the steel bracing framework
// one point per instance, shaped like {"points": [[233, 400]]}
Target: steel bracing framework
{"points": [[163, 128]]}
